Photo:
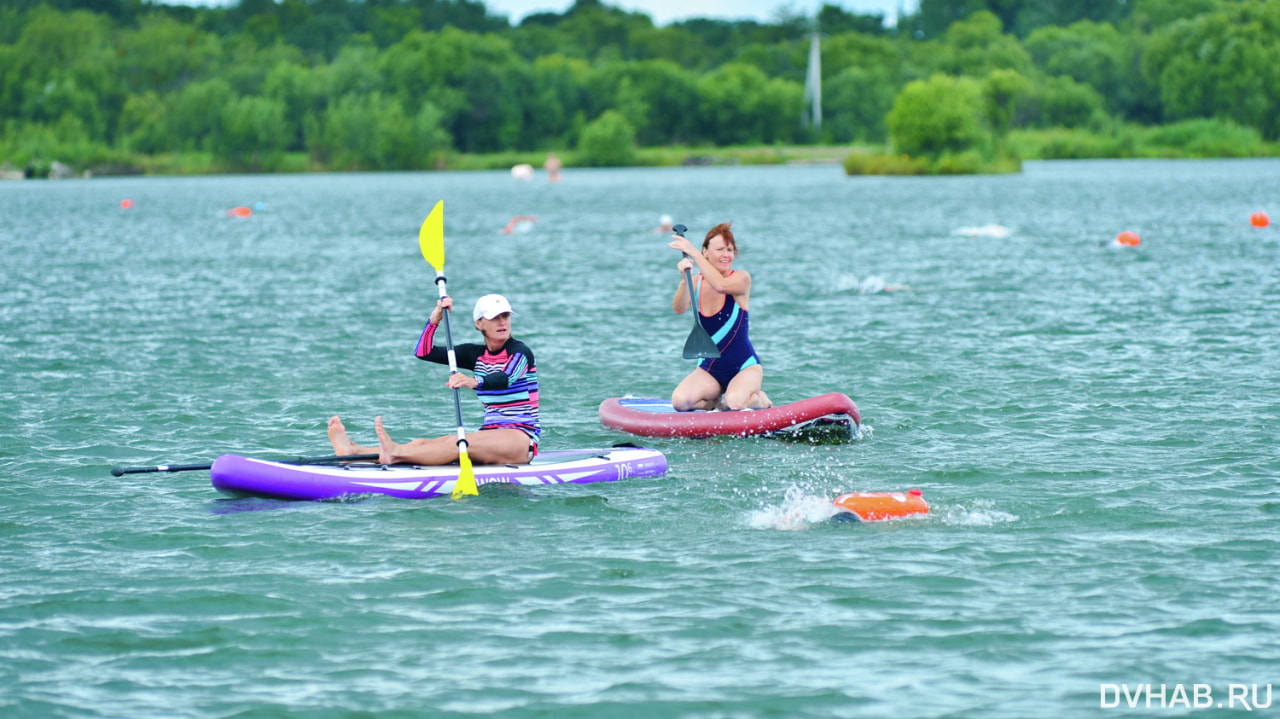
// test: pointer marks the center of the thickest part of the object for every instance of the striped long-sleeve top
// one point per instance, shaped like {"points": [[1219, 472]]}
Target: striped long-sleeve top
{"points": [[508, 379]]}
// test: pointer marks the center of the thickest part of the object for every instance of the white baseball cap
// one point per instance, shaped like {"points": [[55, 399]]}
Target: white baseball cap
{"points": [[490, 306]]}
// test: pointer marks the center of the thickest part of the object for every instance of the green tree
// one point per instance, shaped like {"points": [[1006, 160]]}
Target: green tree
{"points": [[1223, 64], [356, 69], [938, 115], [609, 140], [832, 20], [194, 120], [671, 95], [602, 32], [1100, 56], [878, 55], [63, 67], [253, 135], [1002, 90], [854, 105], [478, 81], [389, 25], [1062, 102], [658, 98], [556, 99], [295, 88], [144, 124], [163, 54], [373, 132], [740, 104], [1149, 15], [934, 17], [977, 45]]}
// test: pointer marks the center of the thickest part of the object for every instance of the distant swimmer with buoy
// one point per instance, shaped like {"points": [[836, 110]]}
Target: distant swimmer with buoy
{"points": [[1128, 238], [519, 223], [721, 294], [552, 166], [664, 225]]}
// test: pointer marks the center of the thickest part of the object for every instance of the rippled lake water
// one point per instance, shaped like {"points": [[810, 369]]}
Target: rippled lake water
{"points": [[1093, 425]]}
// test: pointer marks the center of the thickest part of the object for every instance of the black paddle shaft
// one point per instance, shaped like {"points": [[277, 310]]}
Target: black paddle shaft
{"points": [[699, 345], [335, 459], [448, 338]]}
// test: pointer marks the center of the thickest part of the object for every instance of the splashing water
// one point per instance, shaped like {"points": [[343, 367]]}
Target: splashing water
{"points": [[979, 513], [798, 511], [998, 231]]}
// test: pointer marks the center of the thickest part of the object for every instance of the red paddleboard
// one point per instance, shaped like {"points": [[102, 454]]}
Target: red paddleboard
{"points": [[830, 416]]}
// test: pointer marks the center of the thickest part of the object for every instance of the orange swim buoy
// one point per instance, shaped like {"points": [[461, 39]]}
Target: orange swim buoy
{"points": [[126, 204], [1128, 239], [1259, 219], [239, 212], [876, 506]]}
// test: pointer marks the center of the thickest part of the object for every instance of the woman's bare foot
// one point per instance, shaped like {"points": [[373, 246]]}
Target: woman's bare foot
{"points": [[342, 444], [387, 449]]}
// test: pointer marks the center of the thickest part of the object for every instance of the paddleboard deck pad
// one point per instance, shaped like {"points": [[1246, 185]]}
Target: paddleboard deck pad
{"points": [[825, 418], [877, 506], [246, 476]]}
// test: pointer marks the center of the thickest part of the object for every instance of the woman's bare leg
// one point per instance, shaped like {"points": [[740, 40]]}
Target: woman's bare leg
{"points": [[440, 450], [744, 390], [498, 446], [697, 391], [490, 446]]}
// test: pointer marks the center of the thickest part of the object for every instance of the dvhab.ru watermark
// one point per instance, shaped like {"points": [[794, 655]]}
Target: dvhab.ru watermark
{"points": [[1246, 697]]}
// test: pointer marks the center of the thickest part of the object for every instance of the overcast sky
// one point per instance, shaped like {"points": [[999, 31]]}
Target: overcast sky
{"points": [[664, 12]]}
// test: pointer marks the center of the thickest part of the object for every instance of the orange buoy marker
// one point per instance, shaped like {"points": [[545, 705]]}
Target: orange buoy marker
{"points": [[239, 212], [876, 506], [1259, 219], [1128, 239], [126, 204]]}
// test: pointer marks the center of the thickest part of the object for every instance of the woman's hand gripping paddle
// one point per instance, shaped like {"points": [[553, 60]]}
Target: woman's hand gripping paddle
{"points": [[699, 345], [431, 241]]}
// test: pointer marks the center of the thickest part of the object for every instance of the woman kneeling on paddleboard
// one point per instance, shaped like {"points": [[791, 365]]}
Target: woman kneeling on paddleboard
{"points": [[505, 380], [733, 380]]}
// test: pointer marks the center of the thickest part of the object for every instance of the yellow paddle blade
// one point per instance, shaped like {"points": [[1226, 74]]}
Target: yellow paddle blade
{"points": [[466, 483], [431, 237]]}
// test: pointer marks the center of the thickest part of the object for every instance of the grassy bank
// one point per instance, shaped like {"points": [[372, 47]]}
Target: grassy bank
{"points": [[667, 157], [963, 163], [1188, 139], [204, 163]]}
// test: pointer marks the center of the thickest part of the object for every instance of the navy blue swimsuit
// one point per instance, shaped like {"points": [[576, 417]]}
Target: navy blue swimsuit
{"points": [[728, 329]]}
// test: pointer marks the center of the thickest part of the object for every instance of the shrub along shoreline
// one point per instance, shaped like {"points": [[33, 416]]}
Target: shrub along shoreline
{"points": [[1190, 139]]}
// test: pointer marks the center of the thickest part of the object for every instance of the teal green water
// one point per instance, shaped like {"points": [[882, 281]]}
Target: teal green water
{"points": [[1094, 426]]}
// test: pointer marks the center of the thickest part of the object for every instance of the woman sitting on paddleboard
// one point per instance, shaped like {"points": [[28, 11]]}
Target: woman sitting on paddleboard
{"points": [[505, 380], [733, 380]]}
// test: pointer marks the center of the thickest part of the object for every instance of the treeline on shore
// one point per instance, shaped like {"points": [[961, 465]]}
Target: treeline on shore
{"points": [[119, 86]]}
